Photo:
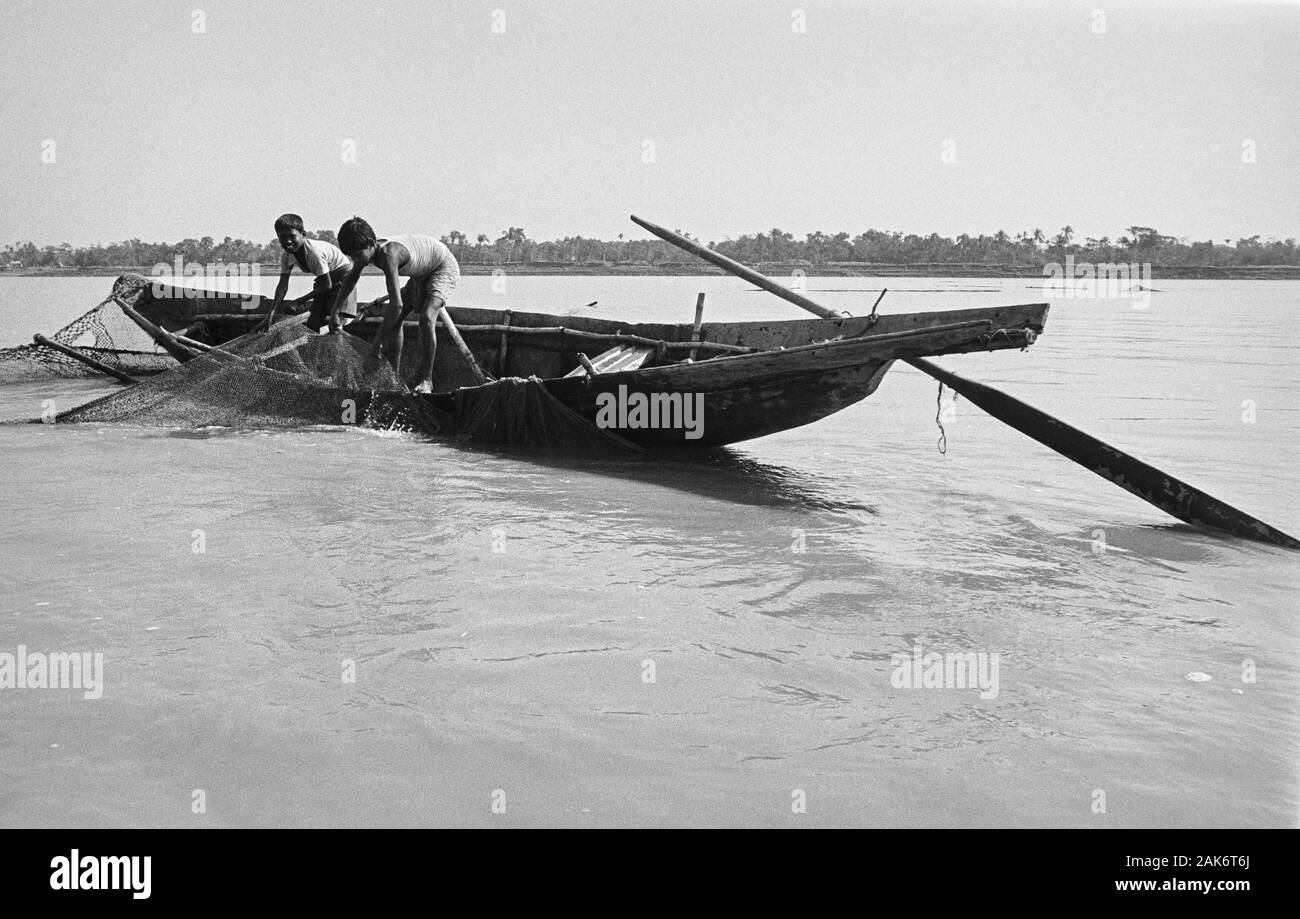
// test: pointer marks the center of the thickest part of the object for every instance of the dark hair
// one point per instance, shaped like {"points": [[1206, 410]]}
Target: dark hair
{"points": [[355, 235], [286, 222]]}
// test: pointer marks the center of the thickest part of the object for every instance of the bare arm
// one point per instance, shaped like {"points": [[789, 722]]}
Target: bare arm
{"points": [[280, 290], [341, 293]]}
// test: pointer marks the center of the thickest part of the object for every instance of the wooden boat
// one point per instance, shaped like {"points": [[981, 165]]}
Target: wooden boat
{"points": [[744, 379], [640, 381]]}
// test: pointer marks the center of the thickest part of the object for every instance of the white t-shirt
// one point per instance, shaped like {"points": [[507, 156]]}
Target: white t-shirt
{"points": [[315, 257], [429, 255]]}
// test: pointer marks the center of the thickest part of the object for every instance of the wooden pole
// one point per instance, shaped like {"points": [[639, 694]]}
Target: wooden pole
{"points": [[698, 325], [733, 267], [517, 330], [270, 316], [191, 343], [505, 343], [164, 338], [364, 311], [85, 359], [1171, 495], [615, 337], [479, 373], [1141, 479], [883, 291]]}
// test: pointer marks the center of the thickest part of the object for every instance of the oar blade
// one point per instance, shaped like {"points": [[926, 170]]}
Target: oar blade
{"points": [[1171, 495]]}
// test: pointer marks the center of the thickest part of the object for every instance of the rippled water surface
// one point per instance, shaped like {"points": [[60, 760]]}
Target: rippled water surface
{"points": [[590, 641]]}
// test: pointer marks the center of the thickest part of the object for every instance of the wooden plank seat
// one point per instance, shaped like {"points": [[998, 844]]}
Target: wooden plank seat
{"points": [[622, 357]]}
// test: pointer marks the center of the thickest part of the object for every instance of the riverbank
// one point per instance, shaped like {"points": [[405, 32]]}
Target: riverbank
{"points": [[773, 269]]}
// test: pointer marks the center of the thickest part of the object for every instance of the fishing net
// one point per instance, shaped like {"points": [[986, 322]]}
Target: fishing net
{"points": [[522, 412], [289, 377], [286, 377], [104, 332]]}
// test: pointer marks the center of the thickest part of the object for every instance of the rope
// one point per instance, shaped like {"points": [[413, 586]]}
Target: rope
{"points": [[938, 418], [988, 339], [873, 318]]}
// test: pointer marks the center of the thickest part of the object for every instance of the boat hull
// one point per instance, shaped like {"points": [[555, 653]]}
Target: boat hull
{"points": [[727, 412], [776, 375]]}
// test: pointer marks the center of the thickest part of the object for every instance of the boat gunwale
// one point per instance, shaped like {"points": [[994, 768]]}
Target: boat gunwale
{"points": [[527, 319]]}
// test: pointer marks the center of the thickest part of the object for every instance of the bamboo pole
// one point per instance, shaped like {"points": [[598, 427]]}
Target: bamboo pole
{"points": [[363, 312], [734, 267], [298, 301], [479, 373], [616, 337], [619, 337], [191, 343], [697, 327], [505, 343], [85, 359], [158, 334]]}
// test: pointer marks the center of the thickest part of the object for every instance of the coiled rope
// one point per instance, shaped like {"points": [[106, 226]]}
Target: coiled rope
{"points": [[938, 418]]}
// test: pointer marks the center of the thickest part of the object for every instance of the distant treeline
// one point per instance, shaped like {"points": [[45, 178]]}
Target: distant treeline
{"points": [[513, 247]]}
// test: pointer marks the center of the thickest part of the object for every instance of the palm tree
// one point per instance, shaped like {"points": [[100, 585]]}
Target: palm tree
{"points": [[512, 237], [1062, 239]]}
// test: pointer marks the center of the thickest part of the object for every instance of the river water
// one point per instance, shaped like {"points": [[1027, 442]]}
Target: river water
{"points": [[337, 627]]}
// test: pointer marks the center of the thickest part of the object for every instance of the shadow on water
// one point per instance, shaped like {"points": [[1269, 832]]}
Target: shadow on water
{"points": [[1172, 544], [722, 474]]}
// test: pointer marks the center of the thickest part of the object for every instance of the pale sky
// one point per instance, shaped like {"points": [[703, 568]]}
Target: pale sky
{"points": [[210, 117]]}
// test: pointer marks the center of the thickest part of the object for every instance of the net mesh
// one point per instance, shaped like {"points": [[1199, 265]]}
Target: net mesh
{"points": [[286, 377], [104, 332], [290, 377], [522, 412]]}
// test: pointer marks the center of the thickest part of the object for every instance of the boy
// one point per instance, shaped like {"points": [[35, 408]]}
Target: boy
{"points": [[432, 272], [318, 258]]}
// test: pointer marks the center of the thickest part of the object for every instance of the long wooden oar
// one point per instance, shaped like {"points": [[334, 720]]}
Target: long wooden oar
{"points": [[734, 267], [85, 359], [1170, 494]]}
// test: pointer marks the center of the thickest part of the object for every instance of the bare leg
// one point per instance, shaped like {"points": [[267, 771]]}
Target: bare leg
{"points": [[395, 348], [382, 344], [429, 338], [395, 315]]}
